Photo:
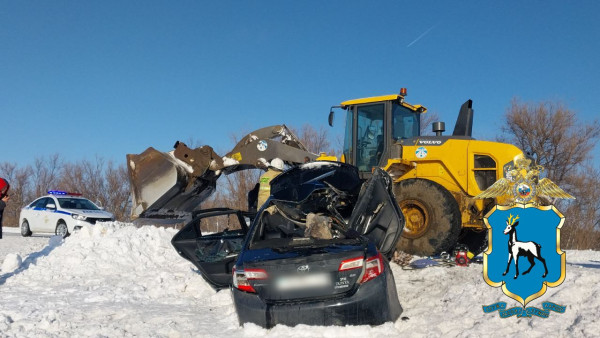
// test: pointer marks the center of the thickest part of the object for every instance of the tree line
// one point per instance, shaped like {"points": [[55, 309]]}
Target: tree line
{"points": [[101, 181], [548, 131]]}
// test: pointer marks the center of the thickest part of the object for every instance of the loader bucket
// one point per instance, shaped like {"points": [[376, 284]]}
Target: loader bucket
{"points": [[167, 187], [164, 187]]}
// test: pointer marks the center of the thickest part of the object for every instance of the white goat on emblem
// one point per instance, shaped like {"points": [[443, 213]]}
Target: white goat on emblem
{"points": [[515, 248]]}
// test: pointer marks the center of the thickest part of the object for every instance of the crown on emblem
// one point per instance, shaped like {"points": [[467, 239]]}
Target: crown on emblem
{"points": [[522, 184]]}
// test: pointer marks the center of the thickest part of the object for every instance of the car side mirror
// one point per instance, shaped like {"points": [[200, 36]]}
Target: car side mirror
{"points": [[331, 116], [51, 206]]}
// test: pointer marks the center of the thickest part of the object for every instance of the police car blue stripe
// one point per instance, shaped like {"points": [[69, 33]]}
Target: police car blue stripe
{"points": [[62, 212]]}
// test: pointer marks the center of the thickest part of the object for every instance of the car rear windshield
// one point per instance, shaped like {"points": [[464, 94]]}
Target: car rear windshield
{"points": [[77, 203]]}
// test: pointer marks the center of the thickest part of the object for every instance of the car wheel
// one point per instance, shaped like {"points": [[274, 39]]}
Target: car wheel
{"points": [[61, 229], [433, 220], [25, 231]]}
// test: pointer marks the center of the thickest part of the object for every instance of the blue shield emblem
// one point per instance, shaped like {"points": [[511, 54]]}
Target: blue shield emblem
{"points": [[524, 255]]}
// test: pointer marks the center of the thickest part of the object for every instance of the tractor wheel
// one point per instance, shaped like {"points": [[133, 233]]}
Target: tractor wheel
{"points": [[433, 219]]}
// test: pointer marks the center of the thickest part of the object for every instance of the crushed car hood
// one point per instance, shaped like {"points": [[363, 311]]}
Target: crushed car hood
{"points": [[375, 213], [296, 184]]}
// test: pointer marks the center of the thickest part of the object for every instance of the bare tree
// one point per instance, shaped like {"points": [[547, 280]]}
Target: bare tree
{"points": [[20, 190], [315, 140], [45, 171], [117, 191], [582, 230], [551, 132], [100, 181], [563, 146]]}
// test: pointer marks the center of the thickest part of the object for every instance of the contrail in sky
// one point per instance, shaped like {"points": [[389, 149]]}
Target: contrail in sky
{"points": [[421, 36]]}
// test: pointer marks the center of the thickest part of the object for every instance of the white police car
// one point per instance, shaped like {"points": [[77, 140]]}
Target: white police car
{"points": [[61, 213]]}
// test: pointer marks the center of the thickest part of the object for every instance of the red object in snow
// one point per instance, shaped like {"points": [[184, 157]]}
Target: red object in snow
{"points": [[4, 186], [462, 259]]}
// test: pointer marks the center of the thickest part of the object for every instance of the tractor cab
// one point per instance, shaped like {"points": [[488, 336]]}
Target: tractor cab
{"points": [[374, 125]]}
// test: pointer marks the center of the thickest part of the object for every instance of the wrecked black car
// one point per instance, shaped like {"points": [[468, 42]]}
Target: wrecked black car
{"points": [[316, 252]]}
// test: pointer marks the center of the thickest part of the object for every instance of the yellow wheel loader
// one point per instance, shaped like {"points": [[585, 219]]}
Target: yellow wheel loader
{"points": [[435, 177]]}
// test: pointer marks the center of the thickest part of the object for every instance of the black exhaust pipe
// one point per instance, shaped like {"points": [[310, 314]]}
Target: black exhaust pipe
{"points": [[464, 122]]}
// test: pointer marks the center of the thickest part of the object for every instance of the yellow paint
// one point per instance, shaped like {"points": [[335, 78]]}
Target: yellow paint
{"points": [[451, 166], [325, 157], [372, 99], [383, 98], [237, 156]]}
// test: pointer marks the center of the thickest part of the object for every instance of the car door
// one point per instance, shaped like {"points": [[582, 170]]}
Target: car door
{"points": [[48, 215], [36, 213], [214, 254], [376, 214]]}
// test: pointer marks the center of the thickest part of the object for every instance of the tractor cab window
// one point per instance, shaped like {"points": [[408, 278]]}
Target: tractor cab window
{"points": [[369, 136], [405, 122], [485, 171]]}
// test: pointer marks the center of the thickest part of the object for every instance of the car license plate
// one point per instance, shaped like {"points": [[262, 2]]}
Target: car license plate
{"points": [[308, 281]]}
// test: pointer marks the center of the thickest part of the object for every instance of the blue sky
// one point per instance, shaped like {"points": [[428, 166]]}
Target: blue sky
{"points": [[106, 78]]}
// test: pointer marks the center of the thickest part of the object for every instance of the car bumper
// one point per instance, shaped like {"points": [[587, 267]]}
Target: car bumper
{"points": [[78, 224], [374, 303]]}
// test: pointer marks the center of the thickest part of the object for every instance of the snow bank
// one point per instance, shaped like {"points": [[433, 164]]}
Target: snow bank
{"points": [[11, 263], [118, 280], [108, 280]]}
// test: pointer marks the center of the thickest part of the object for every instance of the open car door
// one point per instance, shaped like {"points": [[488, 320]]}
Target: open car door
{"points": [[377, 215], [214, 254]]}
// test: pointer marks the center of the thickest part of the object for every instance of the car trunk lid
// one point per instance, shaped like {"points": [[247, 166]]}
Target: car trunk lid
{"points": [[307, 272]]}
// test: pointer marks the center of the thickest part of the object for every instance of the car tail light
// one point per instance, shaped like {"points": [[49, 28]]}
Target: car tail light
{"points": [[242, 278], [373, 268], [351, 264]]}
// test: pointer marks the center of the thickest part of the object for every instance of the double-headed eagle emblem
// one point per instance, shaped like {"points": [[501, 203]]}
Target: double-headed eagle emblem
{"points": [[522, 182]]}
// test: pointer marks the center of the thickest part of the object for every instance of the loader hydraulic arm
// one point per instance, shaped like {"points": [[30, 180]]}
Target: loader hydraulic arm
{"points": [[167, 187]]}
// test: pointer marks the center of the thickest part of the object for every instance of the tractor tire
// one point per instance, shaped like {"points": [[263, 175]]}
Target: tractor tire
{"points": [[433, 220]]}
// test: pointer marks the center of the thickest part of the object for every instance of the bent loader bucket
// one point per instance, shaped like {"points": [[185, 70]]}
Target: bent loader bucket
{"points": [[164, 187], [167, 187]]}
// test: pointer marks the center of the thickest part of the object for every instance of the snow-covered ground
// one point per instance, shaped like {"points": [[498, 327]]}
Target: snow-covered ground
{"points": [[116, 280]]}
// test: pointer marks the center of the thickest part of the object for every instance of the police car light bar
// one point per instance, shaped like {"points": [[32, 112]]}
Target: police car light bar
{"points": [[59, 192]]}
